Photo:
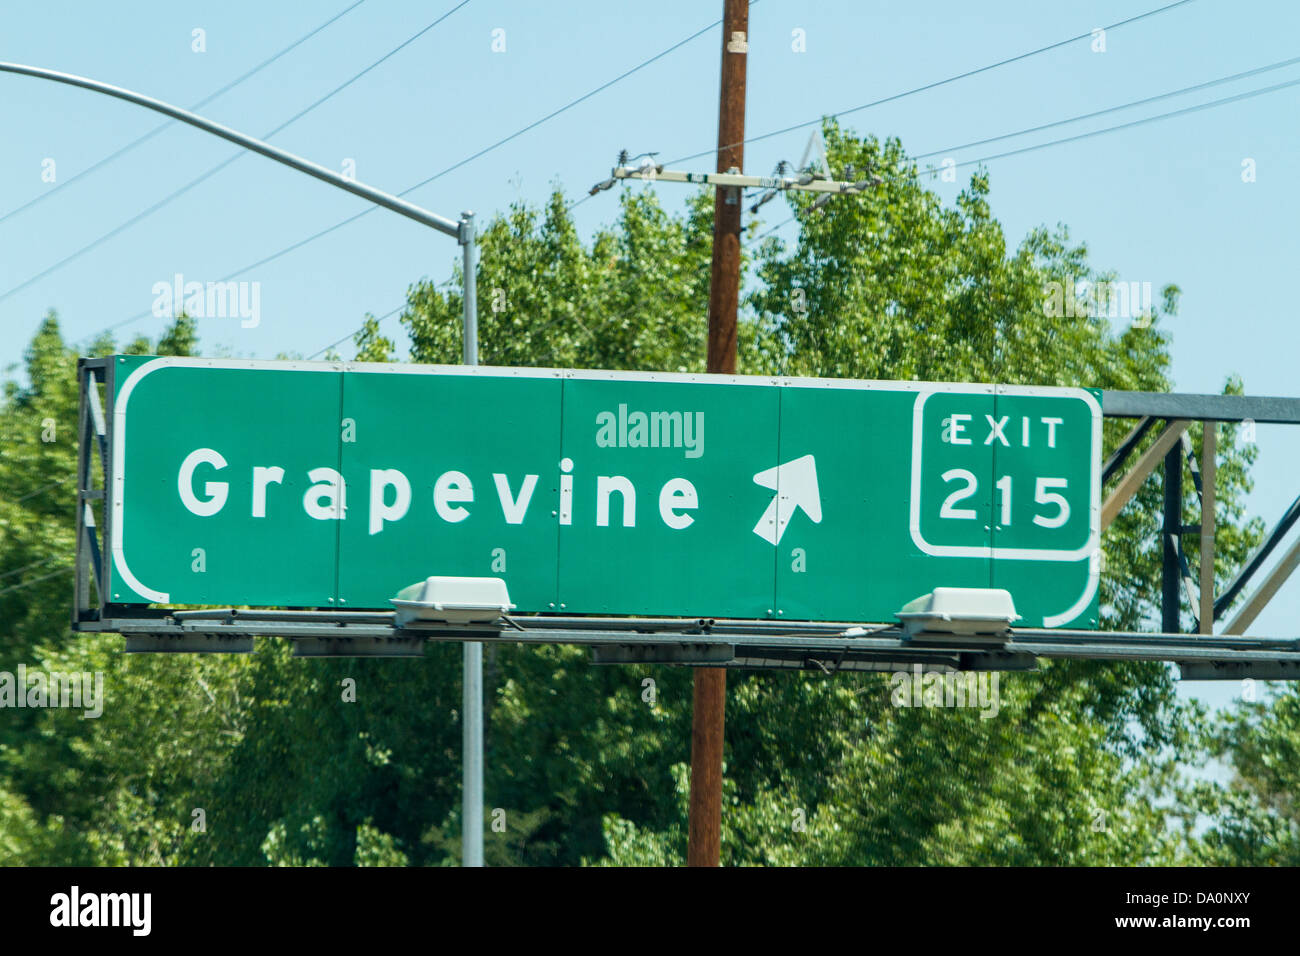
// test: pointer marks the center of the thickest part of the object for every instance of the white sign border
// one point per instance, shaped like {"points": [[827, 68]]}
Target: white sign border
{"points": [[924, 390], [989, 551]]}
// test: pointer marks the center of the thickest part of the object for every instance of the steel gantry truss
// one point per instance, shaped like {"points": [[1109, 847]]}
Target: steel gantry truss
{"points": [[1171, 447], [778, 645]]}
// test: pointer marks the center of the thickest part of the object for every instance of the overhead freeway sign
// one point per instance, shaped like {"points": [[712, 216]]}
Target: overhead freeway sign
{"points": [[296, 484]]}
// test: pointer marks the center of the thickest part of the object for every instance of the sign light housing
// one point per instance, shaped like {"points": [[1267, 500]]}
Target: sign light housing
{"points": [[453, 600], [960, 611]]}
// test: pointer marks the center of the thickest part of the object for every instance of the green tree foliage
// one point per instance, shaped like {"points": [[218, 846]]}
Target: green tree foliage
{"points": [[1255, 819], [355, 762], [894, 285], [119, 788], [637, 298]]}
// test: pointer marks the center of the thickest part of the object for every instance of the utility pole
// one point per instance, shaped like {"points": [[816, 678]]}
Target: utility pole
{"points": [[704, 846]]}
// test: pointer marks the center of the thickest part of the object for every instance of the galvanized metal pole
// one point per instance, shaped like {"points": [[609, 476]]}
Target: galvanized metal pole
{"points": [[469, 244], [472, 662], [1171, 532], [472, 704], [704, 841], [284, 157]]}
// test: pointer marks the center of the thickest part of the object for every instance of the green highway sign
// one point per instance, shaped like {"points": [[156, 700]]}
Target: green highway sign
{"points": [[298, 484]]}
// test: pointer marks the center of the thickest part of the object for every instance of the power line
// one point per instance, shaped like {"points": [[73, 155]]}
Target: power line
{"points": [[27, 584], [197, 106], [368, 210], [1115, 109], [383, 318], [252, 265], [33, 494], [1140, 122], [568, 207], [119, 229], [122, 227], [34, 564], [577, 202], [344, 85], [1249, 94], [934, 85], [567, 106], [780, 225]]}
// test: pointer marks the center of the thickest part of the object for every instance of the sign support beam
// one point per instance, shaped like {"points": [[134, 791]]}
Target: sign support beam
{"points": [[1171, 575], [1132, 481], [1120, 455], [1209, 467], [683, 640], [1256, 561], [1257, 601]]}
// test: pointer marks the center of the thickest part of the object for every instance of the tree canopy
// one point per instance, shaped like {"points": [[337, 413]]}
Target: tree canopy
{"points": [[1083, 763]]}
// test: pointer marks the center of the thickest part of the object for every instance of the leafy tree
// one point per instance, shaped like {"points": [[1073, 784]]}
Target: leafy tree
{"points": [[1079, 765], [1255, 819], [894, 285], [119, 788], [636, 299]]}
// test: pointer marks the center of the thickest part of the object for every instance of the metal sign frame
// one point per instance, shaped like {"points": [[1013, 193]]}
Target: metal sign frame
{"points": [[742, 643]]}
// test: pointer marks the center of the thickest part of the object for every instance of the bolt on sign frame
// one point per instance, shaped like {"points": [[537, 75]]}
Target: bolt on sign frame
{"points": [[970, 480]]}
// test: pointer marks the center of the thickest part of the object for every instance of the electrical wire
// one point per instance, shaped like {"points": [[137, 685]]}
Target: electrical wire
{"points": [[352, 335], [33, 494], [34, 564], [933, 85], [567, 106], [369, 209], [1249, 94], [1281, 64], [162, 126], [171, 197], [27, 584], [383, 318], [1135, 123], [569, 207]]}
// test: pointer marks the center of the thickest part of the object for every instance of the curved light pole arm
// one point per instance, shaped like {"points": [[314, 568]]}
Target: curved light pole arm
{"points": [[463, 231], [376, 196]]}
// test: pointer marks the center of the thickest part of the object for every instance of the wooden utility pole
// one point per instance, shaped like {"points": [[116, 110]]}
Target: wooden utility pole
{"points": [[704, 845]]}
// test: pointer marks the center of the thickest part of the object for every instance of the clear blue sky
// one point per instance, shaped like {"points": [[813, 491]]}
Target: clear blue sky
{"points": [[1164, 202]]}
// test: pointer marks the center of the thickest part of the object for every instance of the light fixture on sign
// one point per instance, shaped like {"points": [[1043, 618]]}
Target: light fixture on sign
{"points": [[960, 612], [453, 600]]}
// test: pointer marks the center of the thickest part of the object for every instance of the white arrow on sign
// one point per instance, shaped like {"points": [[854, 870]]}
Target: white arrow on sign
{"points": [[795, 484]]}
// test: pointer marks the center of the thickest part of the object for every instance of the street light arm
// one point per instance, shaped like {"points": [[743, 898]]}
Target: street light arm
{"points": [[464, 233], [376, 196]]}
